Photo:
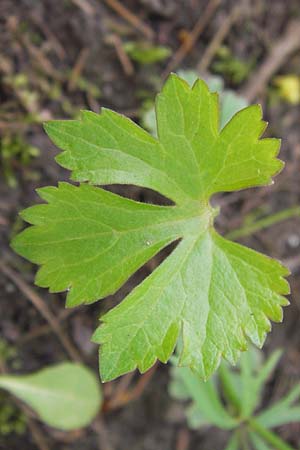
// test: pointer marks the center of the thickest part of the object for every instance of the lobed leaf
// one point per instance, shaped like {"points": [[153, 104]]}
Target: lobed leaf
{"points": [[215, 308], [215, 293], [89, 241]]}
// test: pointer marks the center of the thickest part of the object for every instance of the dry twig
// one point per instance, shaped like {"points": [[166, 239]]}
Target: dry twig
{"points": [[104, 441], [122, 55], [194, 35], [130, 17], [55, 44], [44, 329], [78, 68], [125, 396], [43, 309], [85, 6], [218, 39], [40, 60], [183, 439], [282, 49]]}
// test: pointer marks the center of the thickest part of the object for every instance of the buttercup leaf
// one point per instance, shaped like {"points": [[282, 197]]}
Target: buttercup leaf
{"points": [[215, 293]]}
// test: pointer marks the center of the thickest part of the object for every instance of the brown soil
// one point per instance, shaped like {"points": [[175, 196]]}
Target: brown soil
{"points": [[46, 41]]}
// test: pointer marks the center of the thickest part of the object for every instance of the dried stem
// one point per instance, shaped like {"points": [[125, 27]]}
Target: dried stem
{"points": [[45, 312], [130, 17], [194, 35], [280, 52], [218, 39]]}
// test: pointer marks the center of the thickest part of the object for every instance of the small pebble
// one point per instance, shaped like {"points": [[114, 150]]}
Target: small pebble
{"points": [[293, 240]]}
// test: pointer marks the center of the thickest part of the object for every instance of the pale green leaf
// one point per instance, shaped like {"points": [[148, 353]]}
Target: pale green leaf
{"points": [[258, 442], [230, 382], [213, 292], [273, 417], [66, 396], [253, 380], [195, 418], [283, 411], [231, 104], [234, 443], [206, 407], [243, 389]]}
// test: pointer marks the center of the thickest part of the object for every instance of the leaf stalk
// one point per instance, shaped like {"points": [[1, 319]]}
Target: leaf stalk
{"points": [[268, 435]]}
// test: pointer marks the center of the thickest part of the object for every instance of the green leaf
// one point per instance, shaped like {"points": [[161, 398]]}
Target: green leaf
{"points": [[195, 417], [206, 407], [230, 102], [231, 385], [91, 240], [216, 306], [213, 292], [268, 436], [258, 442], [282, 412], [253, 383], [56, 392], [146, 53], [243, 389], [234, 443]]}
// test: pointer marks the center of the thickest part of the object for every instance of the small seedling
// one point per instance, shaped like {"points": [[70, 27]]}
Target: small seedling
{"points": [[65, 396], [146, 53], [12, 419], [231, 400], [14, 151], [232, 67], [214, 293]]}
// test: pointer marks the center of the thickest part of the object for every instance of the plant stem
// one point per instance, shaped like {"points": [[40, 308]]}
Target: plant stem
{"points": [[247, 230], [244, 439], [269, 436], [228, 388]]}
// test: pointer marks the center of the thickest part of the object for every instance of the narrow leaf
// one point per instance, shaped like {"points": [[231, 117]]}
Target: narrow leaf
{"points": [[258, 442], [207, 407], [282, 412], [234, 443], [254, 379]]}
